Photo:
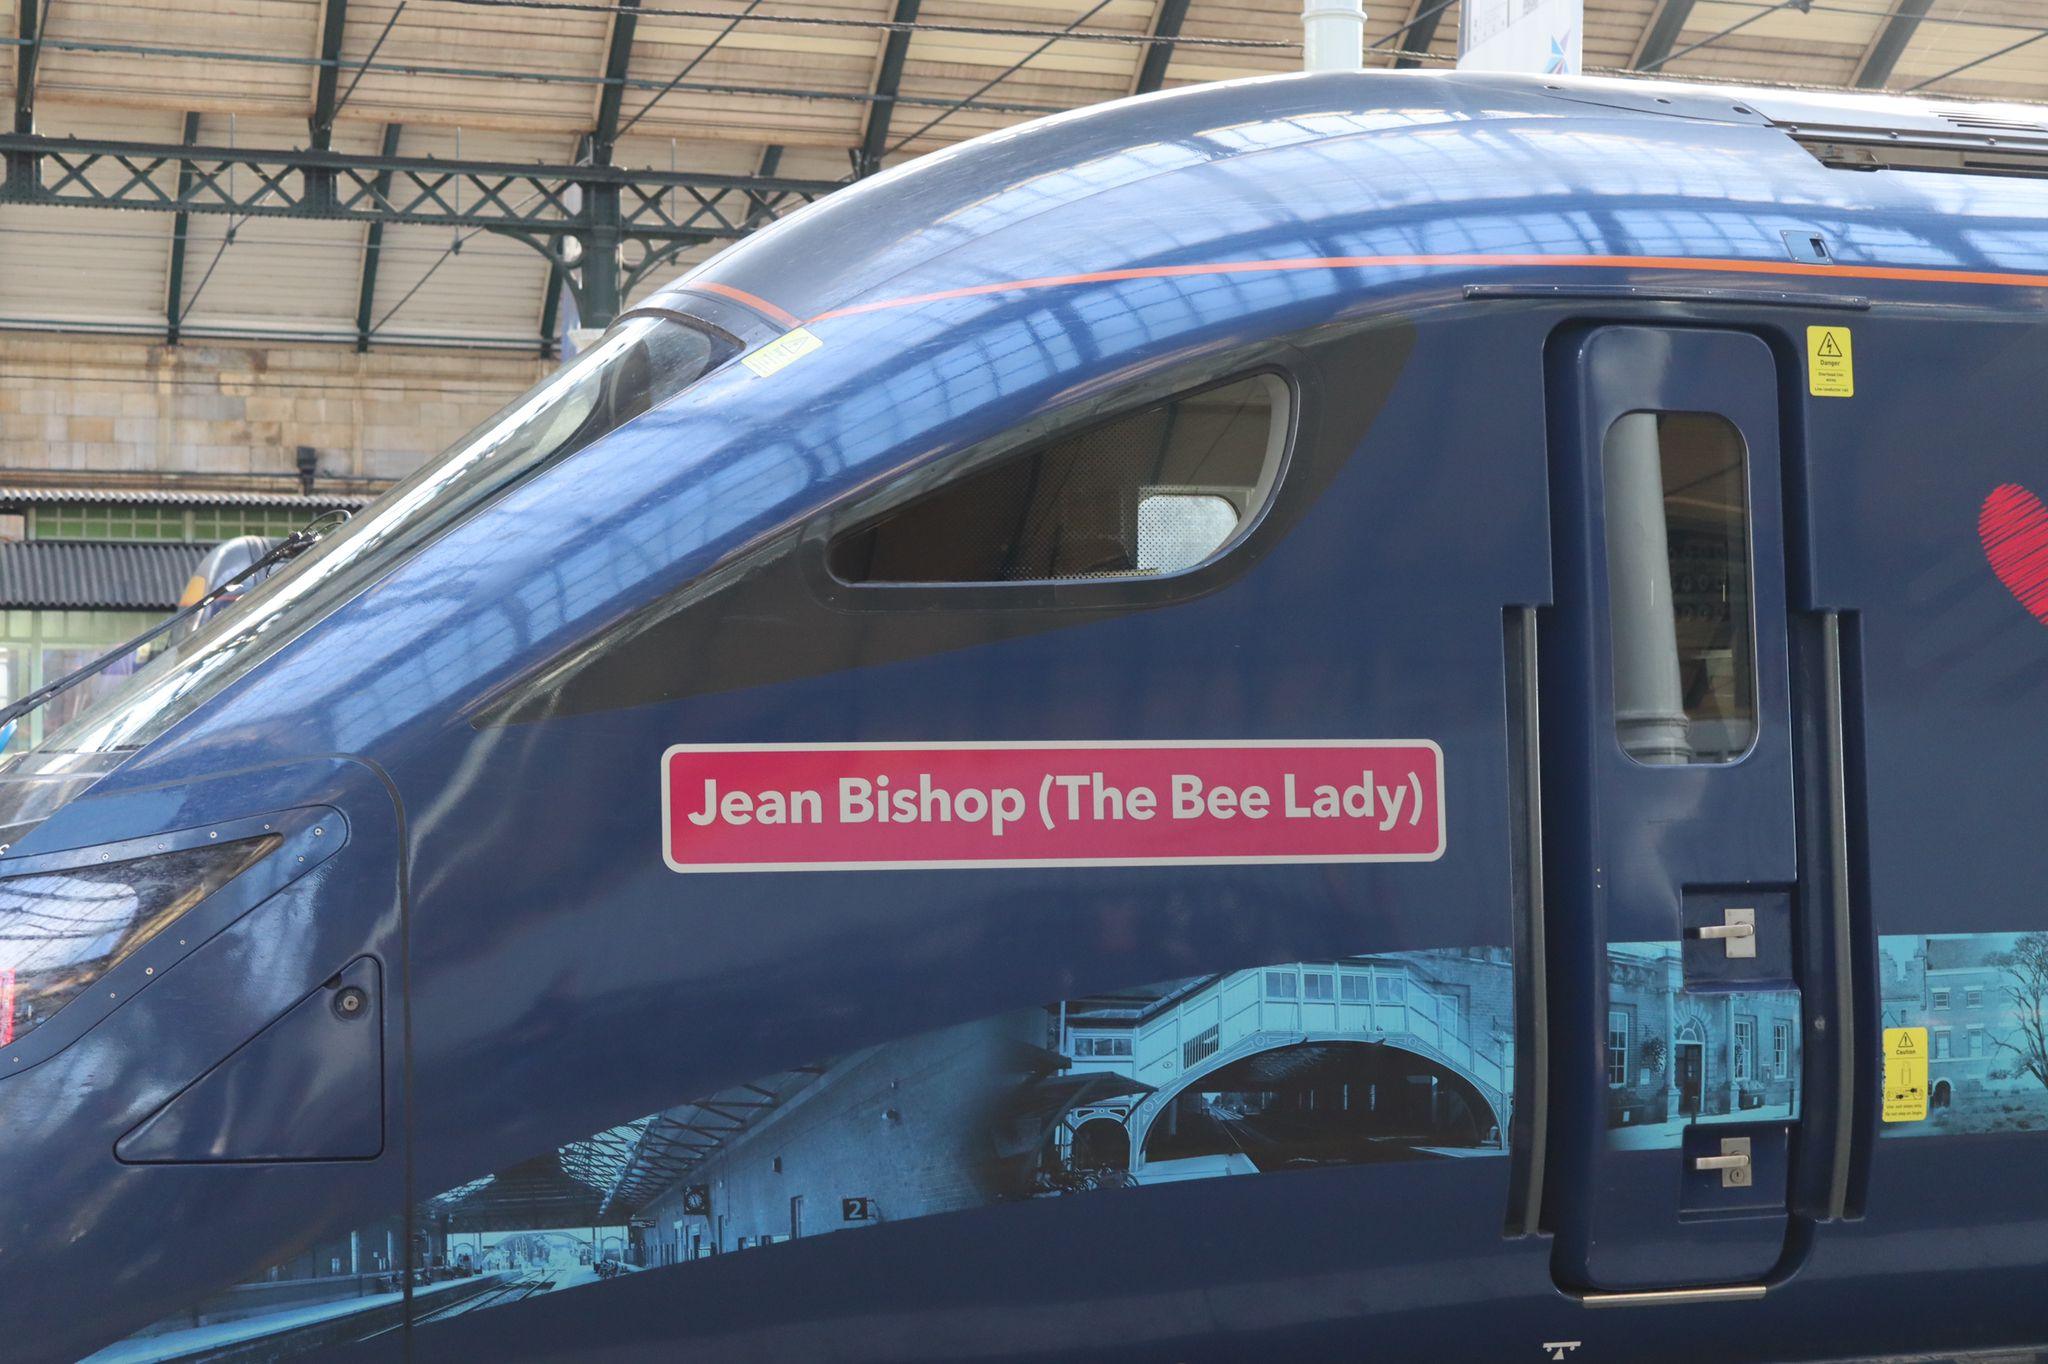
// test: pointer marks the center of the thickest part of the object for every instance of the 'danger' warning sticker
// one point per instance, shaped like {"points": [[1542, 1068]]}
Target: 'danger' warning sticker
{"points": [[1905, 1074], [1830, 363], [849, 807]]}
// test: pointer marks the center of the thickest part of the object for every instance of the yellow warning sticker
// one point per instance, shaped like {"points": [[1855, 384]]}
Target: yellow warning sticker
{"points": [[779, 354], [1905, 1074], [1830, 365]]}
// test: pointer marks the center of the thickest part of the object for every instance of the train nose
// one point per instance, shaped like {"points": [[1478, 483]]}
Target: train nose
{"points": [[199, 1054]]}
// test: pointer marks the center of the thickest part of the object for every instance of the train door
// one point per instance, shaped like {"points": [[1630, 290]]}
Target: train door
{"points": [[1671, 802]]}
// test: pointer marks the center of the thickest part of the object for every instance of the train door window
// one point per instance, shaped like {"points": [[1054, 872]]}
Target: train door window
{"points": [[1678, 567], [1156, 491]]}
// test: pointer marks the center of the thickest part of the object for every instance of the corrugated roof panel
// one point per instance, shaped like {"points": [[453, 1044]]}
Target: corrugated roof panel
{"points": [[66, 265], [490, 289], [643, 149], [952, 66], [86, 576], [763, 57], [277, 273], [1395, 37], [1938, 48], [1262, 21], [1613, 30], [1820, 47], [274, 28], [176, 497], [814, 163], [10, 23], [488, 144], [59, 117], [437, 33]]}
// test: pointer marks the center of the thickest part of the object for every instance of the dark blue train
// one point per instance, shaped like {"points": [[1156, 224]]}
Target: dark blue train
{"points": [[1388, 716]]}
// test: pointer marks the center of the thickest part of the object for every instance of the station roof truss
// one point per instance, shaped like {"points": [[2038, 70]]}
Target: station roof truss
{"points": [[533, 1196], [635, 1164], [467, 172], [604, 1179]]}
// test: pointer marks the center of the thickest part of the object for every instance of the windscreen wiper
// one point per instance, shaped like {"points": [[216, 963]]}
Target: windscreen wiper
{"points": [[293, 545]]}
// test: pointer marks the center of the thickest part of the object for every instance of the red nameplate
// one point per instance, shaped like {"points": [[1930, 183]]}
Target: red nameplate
{"points": [[844, 807]]}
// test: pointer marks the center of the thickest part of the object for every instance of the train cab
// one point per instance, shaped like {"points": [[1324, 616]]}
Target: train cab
{"points": [[1389, 715]]}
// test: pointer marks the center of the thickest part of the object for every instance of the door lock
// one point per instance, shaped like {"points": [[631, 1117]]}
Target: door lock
{"points": [[1733, 1163], [1737, 932]]}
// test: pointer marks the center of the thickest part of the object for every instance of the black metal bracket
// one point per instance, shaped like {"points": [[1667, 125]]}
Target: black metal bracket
{"points": [[606, 211]]}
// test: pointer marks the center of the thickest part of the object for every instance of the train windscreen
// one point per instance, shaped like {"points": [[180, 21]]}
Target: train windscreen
{"points": [[640, 364]]}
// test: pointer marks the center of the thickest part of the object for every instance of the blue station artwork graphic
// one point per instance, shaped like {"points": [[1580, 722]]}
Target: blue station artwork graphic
{"points": [[1678, 1055], [1398, 1056], [1983, 998]]}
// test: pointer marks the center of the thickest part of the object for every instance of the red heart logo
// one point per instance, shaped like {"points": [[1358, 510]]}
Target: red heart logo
{"points": [[2014, 528]]}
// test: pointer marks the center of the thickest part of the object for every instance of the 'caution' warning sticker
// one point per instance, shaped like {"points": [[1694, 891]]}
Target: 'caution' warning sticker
{"points": [[779, 354], [1830, 365], [1905, 1074]]}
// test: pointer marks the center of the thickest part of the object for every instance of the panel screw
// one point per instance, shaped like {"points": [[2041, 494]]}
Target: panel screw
{"points": [[350, 1002], [317, 831], [149, 970]]}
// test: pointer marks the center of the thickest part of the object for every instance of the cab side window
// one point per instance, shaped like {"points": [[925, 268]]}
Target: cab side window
{"points": [[1152, 492]]}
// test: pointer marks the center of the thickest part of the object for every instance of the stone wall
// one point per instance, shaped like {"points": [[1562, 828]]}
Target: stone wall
{"points": [[104, 411]]}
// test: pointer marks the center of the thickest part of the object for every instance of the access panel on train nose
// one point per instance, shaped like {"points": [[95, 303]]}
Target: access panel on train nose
{"points": [[1670, 811], [204, 1153]]}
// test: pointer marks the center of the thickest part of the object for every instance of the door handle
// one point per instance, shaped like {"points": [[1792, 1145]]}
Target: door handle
{"points": [[1737, 931], [1733, 1163]]}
